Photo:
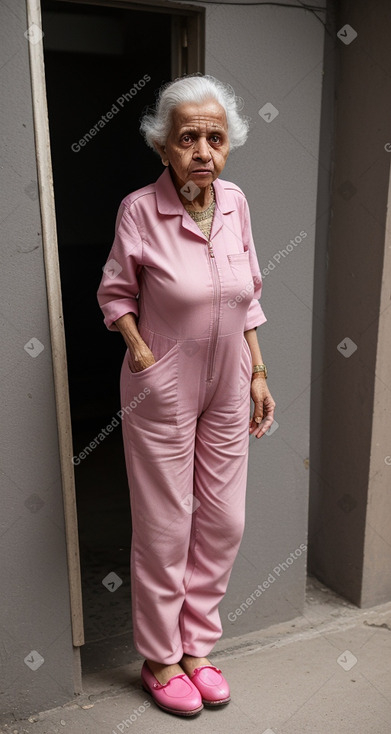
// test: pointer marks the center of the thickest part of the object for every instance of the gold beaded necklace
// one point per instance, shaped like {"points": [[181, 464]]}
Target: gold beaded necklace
{"points": [[204, 219]]}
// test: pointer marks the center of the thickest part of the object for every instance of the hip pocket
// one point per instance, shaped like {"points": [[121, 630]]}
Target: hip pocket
{"points": [[151, 394]]}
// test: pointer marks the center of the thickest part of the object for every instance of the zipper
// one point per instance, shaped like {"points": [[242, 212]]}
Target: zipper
{"points": [[215, 312]]}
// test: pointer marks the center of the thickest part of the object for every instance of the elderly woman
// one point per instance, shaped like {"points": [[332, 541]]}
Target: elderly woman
{"points": [[182, 284]]}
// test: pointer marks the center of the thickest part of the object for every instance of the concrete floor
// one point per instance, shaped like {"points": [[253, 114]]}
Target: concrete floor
{"points": [[325, 672]]}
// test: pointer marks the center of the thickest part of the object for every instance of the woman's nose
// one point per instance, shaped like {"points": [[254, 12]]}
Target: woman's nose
{"points": [[202, 150]]}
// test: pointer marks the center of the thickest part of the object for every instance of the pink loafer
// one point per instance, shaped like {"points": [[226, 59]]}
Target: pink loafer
{"points": [[211, 684], [178, 696]]}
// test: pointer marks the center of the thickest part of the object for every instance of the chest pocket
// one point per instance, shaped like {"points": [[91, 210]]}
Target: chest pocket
{"points": [[240, 279], [240, 263]]}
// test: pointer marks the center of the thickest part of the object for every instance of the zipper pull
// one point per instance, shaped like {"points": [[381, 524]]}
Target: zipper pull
{"points": [[211, 253]]}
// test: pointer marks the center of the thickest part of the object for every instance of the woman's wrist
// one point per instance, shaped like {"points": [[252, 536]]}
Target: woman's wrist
{"points": [[132, 337], [134, 342], [258, 376]]}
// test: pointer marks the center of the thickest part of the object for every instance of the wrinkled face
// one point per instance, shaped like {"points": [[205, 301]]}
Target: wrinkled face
{"points": [[197, 146]]}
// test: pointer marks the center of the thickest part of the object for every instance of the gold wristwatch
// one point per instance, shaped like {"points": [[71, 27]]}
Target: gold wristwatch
{"points": [[260, 368]]}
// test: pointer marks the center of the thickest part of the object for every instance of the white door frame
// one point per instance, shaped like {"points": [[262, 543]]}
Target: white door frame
{"points": [[187, 57]]}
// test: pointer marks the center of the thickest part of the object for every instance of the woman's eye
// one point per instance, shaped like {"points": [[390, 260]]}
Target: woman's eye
{"points": [[186, 139], [215, 138]]}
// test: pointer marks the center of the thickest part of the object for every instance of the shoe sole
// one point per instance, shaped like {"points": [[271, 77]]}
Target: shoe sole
{"points": [[216, 703], [177, 712]]}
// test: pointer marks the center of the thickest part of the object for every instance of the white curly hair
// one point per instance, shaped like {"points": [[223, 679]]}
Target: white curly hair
{"points": [[156, 122]]}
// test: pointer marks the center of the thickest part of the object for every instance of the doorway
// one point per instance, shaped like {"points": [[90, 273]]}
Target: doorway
{"points": [[103, 67]]}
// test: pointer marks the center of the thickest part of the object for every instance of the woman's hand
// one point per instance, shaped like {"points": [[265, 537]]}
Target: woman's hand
{"points": [[264, 405], [140, 358]]}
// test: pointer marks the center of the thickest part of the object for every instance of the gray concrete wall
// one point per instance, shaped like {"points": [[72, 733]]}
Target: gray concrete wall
{"points": [[376, 574], [351, 505], [275, 55], [35, 614]]}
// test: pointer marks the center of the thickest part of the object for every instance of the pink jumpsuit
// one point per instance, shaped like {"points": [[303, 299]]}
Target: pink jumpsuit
{"points": [[186, 417]]}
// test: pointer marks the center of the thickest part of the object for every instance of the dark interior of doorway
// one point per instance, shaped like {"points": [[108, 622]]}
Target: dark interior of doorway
{"points": [[93, 56]]}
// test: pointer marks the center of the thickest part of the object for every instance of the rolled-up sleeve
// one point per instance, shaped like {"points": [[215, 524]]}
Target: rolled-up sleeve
{"points": [[119, 288], [255, 314]]}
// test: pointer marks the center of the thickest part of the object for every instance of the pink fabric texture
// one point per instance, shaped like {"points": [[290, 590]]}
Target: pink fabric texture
{"points": [[185, 424]]}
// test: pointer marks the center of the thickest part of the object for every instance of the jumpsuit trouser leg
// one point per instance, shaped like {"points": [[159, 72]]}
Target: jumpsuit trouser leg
{"points": [[182, 555], [220, 478]]}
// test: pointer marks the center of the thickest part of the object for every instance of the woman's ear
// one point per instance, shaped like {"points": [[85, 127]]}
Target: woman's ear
{"points": [[161, 150]]}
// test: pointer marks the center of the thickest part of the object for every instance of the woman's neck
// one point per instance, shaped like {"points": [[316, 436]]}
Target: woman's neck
{"points": [[201, 201], [198, 203]]}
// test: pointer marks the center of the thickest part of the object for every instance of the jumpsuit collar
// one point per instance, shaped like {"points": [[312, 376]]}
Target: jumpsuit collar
{"points": [[168, 202]]}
